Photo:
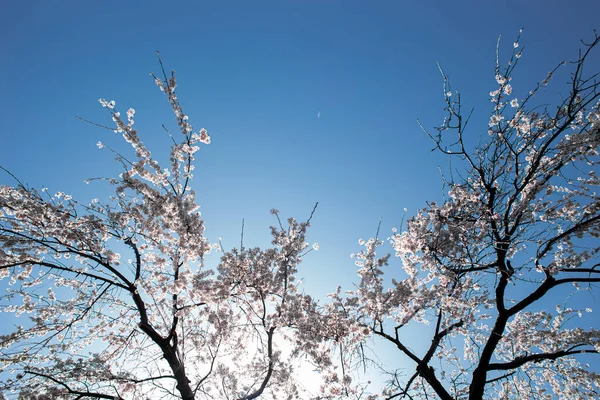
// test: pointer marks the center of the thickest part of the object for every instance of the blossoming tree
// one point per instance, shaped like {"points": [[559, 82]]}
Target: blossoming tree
{"points": [[161, 324], [502, 273]]}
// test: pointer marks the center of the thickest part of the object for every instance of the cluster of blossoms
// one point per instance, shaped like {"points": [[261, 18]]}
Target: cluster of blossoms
{"points": [[522, 222], [128, 277]]}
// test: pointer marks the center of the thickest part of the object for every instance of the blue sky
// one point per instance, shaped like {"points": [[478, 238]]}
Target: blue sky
{"points": [[305, 101], [257, 75]]}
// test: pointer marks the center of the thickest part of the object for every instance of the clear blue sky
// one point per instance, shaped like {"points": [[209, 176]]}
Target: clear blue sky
{"points": [[257, 74]]}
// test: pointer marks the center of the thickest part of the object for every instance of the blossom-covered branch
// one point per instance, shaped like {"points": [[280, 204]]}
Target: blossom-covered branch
{"points": [[125, 278], [518, 226]]}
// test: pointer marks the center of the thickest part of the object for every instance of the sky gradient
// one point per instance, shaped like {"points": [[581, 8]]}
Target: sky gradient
{"points": [[305, 101]]}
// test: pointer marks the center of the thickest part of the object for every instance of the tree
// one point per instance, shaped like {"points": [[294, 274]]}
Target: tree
{"points": [[501, 273], [166, 325]]}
